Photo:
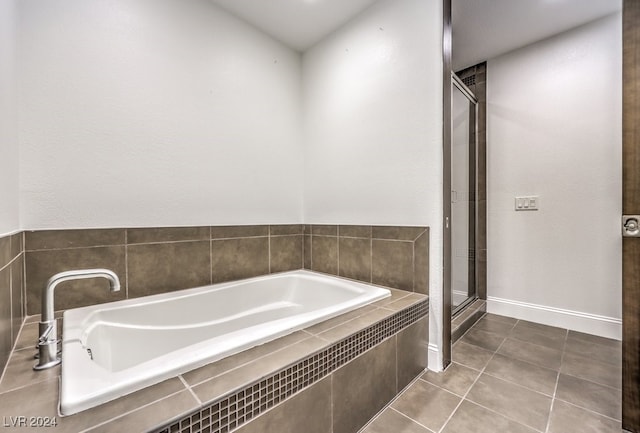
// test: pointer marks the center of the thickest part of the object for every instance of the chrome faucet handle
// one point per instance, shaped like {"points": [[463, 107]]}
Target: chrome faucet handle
{"points": [[47, 345], [44, 338]]}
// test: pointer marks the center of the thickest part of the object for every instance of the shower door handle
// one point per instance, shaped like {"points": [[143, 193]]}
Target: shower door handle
{"points": [[631, 226]]}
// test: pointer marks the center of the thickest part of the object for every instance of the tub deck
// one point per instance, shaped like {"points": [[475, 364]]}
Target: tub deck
{"points": [[34, 395]]}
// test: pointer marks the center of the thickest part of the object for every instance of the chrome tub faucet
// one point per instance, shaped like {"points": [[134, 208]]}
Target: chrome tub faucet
{"points": [[47, 329]]}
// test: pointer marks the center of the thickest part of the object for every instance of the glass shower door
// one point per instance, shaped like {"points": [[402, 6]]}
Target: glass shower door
{"points": [[463, 195]]}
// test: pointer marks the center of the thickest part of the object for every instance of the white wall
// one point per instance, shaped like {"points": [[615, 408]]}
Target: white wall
{"points": [[554, 130], [152, 113], [9, 148], [163, 112], [373, 126]]}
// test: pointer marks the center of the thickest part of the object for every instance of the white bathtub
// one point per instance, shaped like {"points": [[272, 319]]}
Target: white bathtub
{"points": [[110, 350]]}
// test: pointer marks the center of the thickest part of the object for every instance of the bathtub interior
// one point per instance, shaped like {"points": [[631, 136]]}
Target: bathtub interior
{"points": [[129, 344]]}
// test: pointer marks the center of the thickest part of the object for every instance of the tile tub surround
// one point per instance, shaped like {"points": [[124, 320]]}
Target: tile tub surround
{"points": [[537, 379], [162, 259], [390, 256], [389, 337], [155, 260], [11, 290]]}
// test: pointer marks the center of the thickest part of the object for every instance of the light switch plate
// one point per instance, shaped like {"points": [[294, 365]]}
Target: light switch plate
{"points": [[530, 202]]}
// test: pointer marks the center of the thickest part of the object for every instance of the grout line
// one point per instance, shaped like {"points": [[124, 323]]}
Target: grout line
{"points": [[592, 381], [504, 416], [331, 396], [520, 385], [10, 262], [388, 405], [411, 419], [413, 266], [464, 397], [371, 260], [30, 383], [555, 388], [311, 251], [80, 248], [125, 413], [337, 256], [13, 343], [126, 264], [184, 382], [269, 251], [420, 234], [210, 257], [587, 410]]}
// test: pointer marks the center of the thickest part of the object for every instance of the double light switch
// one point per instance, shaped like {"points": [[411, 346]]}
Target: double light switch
{"points": [[527, 203]]}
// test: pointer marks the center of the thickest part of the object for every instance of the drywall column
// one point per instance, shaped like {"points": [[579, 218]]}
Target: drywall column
{"points": [[372, 96], [554, 131], [9, 148]]}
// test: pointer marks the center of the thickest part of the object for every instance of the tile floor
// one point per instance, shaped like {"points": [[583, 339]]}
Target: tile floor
{"points": [[513, 376]]}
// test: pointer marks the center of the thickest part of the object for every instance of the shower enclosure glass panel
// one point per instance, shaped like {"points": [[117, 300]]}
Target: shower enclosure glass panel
{"points": [[463, 195]]}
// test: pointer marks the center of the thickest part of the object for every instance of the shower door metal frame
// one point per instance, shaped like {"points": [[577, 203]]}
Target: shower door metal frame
{"points": [[473, 174], [445, 335]]}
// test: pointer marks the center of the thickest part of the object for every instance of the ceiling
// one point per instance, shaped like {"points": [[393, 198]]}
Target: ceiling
{"points": [[482, 29], [297, 23]]}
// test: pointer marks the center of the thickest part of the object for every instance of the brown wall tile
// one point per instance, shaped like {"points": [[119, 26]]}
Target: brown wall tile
{"points": [[42, 265], [226, 232], [355, 258], [16, 245], [167, 234], [402, 233], [5, 251], [324, 254], [324, 230], [52, 239], [308, 411], [421, 264], [355, 231], [413, 343], [17, 315], [286, 253], [286, 229], [392, 264], [233, 259], [307, 252], [364, 386], [160, 268], [5, 316]]}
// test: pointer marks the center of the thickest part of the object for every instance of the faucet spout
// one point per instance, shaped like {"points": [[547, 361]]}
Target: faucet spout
{"points": [[48, 341], [47, 292]]}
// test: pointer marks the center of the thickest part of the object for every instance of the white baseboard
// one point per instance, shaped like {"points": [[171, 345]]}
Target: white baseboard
{"points": [[603, 326], [434, 360]]}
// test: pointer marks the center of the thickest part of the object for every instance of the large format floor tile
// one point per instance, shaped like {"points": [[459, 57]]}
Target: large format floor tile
{"points": [[391, 420], [514, 376], [589, 395], [471, 418], [456, 378], [523, 373], [532, 353], [427, 404], [514, 401], [470, 356], [567, 418]]}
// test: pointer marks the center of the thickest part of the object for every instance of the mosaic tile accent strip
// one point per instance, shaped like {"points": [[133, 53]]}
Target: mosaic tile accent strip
{"points": [[242, 405]]}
